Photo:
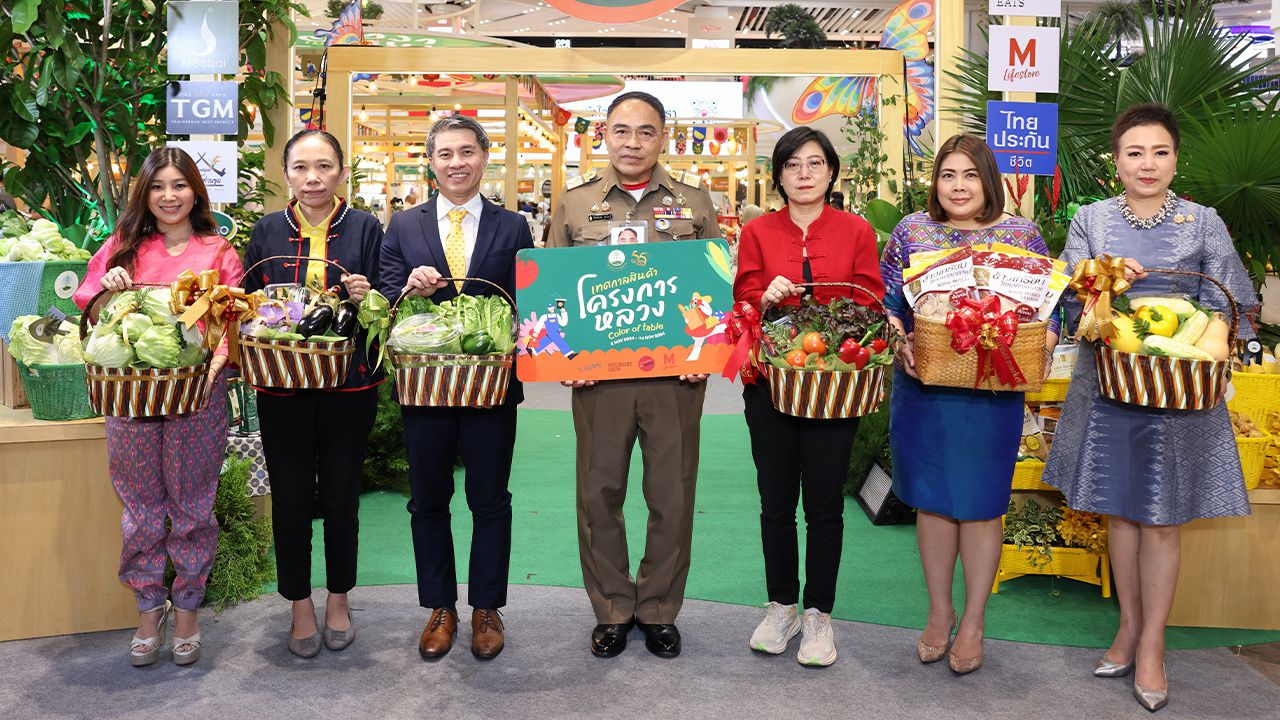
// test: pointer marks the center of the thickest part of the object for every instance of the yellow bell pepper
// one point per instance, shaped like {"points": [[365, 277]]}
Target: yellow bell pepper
{"points": [[1159, 320]]}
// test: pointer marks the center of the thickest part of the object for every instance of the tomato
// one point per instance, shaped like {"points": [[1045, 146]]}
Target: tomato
{"points": [[796, 358], [877, 346], [813, 343]]}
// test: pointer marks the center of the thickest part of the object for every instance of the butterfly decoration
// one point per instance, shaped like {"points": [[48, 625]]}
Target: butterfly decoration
{"points": [[907, 30], [347, 28]]}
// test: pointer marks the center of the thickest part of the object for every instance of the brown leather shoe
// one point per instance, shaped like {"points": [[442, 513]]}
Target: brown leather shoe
{"points": [[487, 639], [437, 636]]}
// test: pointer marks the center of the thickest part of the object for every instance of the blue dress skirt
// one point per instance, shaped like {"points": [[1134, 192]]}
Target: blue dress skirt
{"points": [[953, 449]]}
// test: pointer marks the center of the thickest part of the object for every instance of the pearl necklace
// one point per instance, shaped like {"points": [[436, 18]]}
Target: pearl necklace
{"points": [[1170, 201]]}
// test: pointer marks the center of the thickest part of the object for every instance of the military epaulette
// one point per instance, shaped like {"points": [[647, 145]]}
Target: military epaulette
{"points": [[581, 180]]}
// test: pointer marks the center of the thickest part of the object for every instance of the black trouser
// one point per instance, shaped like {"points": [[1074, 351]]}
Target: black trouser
{"points": [[796, 456], [432, 436], [316, 439]]}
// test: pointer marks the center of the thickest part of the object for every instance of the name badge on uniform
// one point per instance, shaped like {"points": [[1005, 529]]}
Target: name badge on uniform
{"points": [[601, 216], [673, 213]]}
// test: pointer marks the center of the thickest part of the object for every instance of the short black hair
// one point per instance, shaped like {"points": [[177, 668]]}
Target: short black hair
{"points": [[1145, 114], [791, 142], [333, 143], [643, 97]]}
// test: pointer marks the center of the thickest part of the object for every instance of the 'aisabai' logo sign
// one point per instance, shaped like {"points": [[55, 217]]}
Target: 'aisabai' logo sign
{"points": [[204, 37], [1023, 136], [1023, 59], [202, 108]]}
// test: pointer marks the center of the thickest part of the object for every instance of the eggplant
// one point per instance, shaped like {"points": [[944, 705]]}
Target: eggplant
{"points": [[315, 322], [344, 319]]}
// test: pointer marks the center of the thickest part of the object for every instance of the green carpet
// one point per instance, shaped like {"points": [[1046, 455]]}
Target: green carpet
{"points": [[880, 578]]}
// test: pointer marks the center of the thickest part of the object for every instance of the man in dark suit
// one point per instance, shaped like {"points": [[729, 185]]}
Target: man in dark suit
{"points": [[458, 234]]}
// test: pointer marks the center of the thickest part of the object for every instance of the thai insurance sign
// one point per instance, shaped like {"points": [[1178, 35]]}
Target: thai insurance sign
{"points": [[1023, 136], [623, 311]]}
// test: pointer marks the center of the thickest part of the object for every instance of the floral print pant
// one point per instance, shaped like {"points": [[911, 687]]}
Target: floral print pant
{"points": [[167, 469]]}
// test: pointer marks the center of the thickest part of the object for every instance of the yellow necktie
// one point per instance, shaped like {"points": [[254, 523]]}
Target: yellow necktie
{"points": [[455, 246]]}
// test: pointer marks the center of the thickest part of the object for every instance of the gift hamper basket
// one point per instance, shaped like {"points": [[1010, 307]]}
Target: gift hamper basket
{"points": [[457, 353], [296, 338]]}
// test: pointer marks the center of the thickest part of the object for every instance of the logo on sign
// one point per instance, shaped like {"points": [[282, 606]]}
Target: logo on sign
{"points": [[1025, 8], [1023, 136], [1023, 59], [217, 164], [202, 108], [226, 224], [204, 37]]}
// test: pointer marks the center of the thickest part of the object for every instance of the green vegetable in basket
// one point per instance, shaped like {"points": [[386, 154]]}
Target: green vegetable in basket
{"points": [[121, 304], [374, 316], [190, 355], [477, 343], [326, 338], [133, 325], [29, 350], [13, 225], [106, 348], [155, 303], [159, 346]]}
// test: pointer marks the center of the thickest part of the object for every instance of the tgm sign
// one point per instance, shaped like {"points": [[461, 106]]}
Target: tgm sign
{"points": [[1023, 59], [1023, 136], [202, 108]]}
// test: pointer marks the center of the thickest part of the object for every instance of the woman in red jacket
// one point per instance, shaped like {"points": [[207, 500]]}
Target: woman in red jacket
{"points": [[806, 242]]}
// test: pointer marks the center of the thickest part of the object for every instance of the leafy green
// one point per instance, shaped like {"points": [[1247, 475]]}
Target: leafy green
{"points": [[26, 349], [159, 346], [106, 348], [133, 325]]}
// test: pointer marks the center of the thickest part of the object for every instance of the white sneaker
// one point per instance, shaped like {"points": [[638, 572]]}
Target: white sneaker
{"points": [[780, 624], [817, 642]]}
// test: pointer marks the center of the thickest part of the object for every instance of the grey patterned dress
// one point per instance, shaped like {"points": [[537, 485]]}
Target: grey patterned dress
{"points": [[1161, 467]]}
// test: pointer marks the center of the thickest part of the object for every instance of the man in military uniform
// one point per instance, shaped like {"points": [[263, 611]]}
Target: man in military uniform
{"points": [[664, 413]]}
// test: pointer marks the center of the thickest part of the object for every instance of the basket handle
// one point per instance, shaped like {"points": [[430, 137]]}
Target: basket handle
{"points": [[515, 314], [1235, 306], [308, 258], [855, 286]]}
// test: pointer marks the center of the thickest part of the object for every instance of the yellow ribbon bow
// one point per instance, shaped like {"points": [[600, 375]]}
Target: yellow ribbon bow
{"points": [[200, 297], [1096, 282]]}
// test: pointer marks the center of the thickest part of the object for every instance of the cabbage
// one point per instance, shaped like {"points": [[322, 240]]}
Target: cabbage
{"points": [[155, 303], [133, 325], [107, 349], [63, 350], [27, 248], [192, 354], [159, 346], [122, 304]]}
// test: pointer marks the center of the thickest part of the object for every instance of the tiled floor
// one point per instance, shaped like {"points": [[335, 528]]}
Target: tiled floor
{"points": [[1264, 658]]}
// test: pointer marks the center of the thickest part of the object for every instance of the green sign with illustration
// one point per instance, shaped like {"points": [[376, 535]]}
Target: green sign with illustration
{"points": [[623, 311]]}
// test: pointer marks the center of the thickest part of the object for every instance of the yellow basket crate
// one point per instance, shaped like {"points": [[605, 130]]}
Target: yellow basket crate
{"points": [[1068, 562], [1253, 452], [1026, 475], [1054, 390], [1254, 394]]}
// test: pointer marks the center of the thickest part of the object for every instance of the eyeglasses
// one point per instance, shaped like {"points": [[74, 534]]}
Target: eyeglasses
{"points": [[815, 165], [645, 134]]}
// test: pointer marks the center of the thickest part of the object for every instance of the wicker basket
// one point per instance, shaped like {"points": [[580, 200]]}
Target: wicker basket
{"points": [[58, 392], [1255, 395], [1026, 476], [1054, 390], [1067, 562], [1163, 382], [937, 363], [828, 394], [449, 380], [294, 364], [146, 392], [1253, 452]]}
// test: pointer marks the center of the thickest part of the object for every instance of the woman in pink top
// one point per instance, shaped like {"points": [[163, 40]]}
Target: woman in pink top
{"points": [[166, 468]]}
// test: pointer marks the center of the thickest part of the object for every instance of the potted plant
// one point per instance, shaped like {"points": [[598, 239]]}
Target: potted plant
{"points": [[1054, 540]]}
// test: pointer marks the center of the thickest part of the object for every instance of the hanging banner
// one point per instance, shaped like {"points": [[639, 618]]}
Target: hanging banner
{"points": [[204, 37], [202, 108], [1025, 8], [1023, 59], [217, 163], [1023, 136], [623, 311]]}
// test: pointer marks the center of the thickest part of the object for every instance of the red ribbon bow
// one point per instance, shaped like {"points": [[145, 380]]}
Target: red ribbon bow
{"points": [[980, 324], [743, 332]]}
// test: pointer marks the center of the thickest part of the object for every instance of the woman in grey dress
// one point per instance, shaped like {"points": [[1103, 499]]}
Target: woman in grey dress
{"points": [[1148, 470]]}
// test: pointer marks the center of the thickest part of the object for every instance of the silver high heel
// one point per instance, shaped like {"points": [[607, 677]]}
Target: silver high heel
{"points": [[1107, 669], [1152, 700]]}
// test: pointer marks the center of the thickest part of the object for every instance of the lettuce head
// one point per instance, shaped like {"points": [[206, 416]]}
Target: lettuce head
{"points": [[106, 348], [159, 345]]}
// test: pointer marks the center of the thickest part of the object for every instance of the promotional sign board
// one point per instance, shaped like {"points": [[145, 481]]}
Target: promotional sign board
{"points": [[202, 108], [1023, 59], [227, 226], [204, 37], [1023, 136], [623, 311], [1025, 8], [217, 164]]}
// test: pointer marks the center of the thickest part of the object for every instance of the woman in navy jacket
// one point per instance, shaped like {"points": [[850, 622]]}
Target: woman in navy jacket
{"points": [[314, 440]]}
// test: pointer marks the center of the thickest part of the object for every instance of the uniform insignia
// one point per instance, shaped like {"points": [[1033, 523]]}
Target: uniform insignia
{"points": [[604, 206], [666, 200], [662, 224], [580, 180]]}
